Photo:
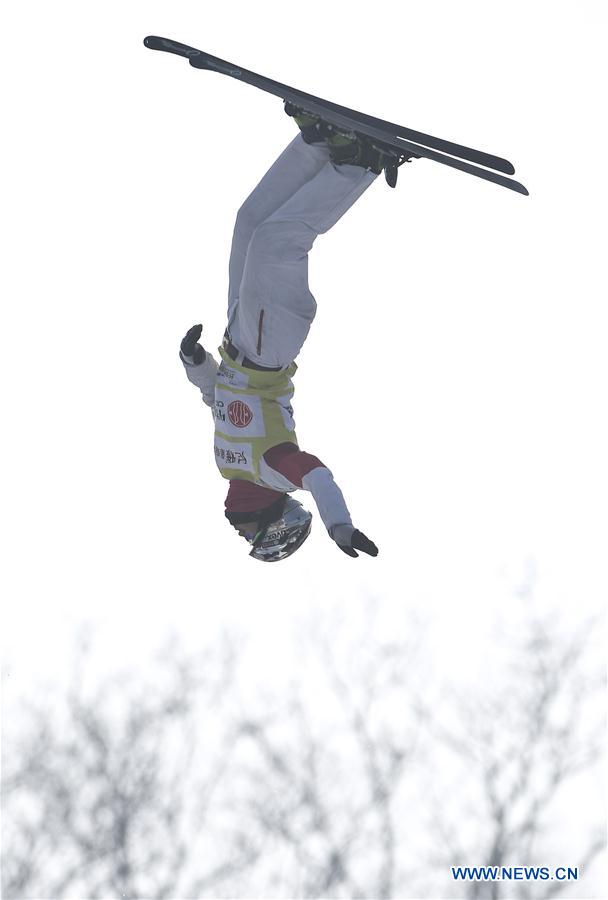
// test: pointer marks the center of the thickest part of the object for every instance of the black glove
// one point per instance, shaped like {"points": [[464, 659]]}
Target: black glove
{"points": [[350, 539], [190, 349]]}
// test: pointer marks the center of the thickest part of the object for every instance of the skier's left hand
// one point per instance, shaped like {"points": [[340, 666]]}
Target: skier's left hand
{"points": [[350, 539]]}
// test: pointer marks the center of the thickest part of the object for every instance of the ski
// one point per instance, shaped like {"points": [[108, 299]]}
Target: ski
{"points": [[427, 140], [349, 121]]}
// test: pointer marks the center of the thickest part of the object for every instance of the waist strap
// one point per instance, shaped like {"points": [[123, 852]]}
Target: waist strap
{"points": [[233, 353]]}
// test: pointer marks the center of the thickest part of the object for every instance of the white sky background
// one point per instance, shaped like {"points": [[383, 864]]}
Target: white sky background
{"points": [[460, 330]]}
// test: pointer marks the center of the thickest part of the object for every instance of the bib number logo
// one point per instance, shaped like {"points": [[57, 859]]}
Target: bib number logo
{"points": [[239, 414]]}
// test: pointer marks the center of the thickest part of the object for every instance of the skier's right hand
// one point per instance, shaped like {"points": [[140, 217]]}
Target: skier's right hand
{"points": [[191, 352], [350, 539]]}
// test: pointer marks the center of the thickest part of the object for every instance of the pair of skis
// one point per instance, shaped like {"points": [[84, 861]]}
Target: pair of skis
{"points": [[395, 140]]}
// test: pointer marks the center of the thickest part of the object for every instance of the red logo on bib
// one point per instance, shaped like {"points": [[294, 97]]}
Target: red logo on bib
{"points": [[239, 414]]}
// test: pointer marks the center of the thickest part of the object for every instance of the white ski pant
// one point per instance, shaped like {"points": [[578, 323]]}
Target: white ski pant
{"points": [[270, 307]]}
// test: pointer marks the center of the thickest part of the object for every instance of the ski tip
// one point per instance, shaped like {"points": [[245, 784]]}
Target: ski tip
{"points": [[513, 186], [494, 162], [169, 46]]}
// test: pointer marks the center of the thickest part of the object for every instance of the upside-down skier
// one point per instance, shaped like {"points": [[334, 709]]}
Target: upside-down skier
{"points": [[314, 181], [322, 172]]}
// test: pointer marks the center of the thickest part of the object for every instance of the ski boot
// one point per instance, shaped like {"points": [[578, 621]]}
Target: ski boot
{"points": [[312, 128], [359, 150]]}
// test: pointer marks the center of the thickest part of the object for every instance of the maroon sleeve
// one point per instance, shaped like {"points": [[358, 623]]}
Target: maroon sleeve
{"points": [[290, 461]]}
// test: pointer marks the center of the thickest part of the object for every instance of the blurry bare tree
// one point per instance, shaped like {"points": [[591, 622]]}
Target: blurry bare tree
{"points": [[326, 779], [99, 798], [197, 783], [514, 749]]}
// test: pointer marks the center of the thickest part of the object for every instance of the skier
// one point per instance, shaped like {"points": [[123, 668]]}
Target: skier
{"points": [[314, 181]]}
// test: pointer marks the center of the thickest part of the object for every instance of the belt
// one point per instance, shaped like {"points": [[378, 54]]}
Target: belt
{"points": [[247, 363]]}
